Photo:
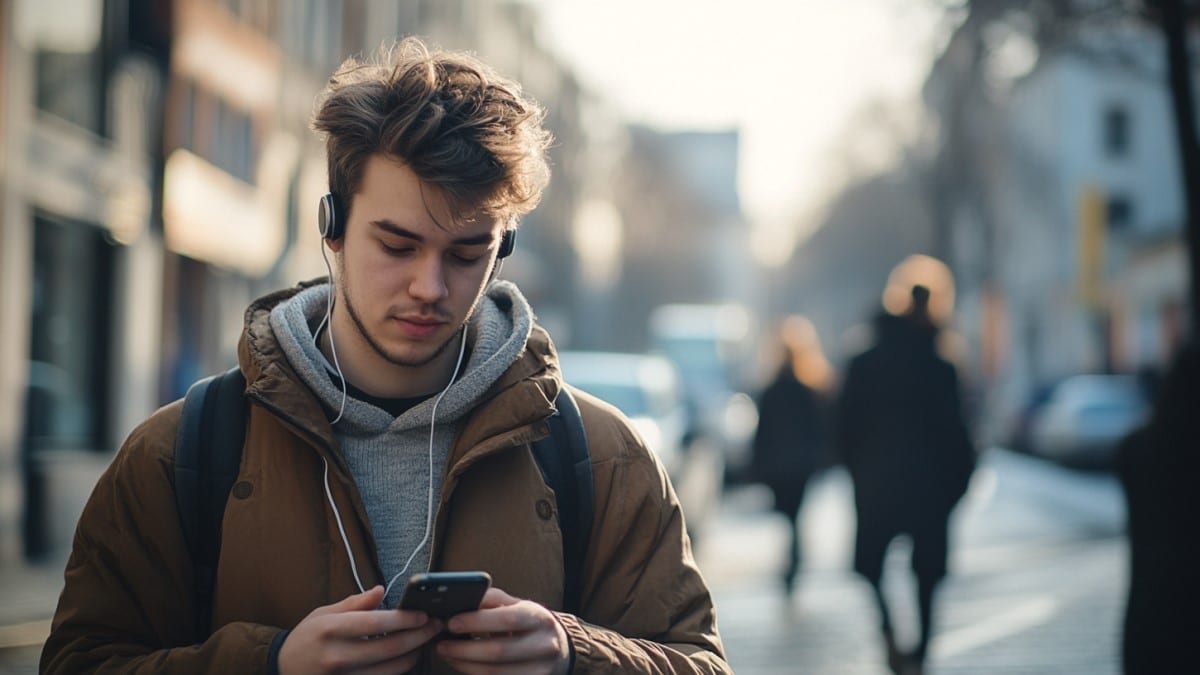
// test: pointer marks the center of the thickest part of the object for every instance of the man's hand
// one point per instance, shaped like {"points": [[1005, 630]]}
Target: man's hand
{"points": [[352, 636], [508, 636]]}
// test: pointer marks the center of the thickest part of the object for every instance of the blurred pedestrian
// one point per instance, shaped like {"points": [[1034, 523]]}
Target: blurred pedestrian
{"points": [[1158, 465], [790, 444], [902, 436], [391, 415]]}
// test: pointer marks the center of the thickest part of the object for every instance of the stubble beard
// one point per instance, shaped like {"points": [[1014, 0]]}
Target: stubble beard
{"points": [[377, 346]]}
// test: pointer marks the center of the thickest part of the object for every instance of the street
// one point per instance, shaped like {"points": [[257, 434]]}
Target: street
{"points": [[1037, 583]]}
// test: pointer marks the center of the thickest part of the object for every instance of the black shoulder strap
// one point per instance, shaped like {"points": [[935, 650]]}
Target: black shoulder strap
{"points": [[208, 451], [566, 464]]}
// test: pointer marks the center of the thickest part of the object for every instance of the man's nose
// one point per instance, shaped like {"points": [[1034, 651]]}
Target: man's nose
{"points": [[429, 279]]}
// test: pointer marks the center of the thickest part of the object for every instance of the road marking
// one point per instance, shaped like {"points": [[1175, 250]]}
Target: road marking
{"points": [[1002, 625]]}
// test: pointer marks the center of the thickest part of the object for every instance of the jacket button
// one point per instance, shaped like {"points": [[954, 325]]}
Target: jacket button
{"points": [[544, 510], [242, 489]]}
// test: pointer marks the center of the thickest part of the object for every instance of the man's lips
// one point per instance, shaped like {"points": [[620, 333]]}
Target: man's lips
{"points": [[419, 326]]}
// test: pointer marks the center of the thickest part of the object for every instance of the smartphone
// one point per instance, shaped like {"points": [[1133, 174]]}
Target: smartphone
{"points": [[444, 594]]}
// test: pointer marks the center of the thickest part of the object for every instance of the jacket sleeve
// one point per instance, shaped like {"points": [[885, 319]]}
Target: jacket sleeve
{"points": [[954, 440], [848, 418], [126, 606], [646, 607]]}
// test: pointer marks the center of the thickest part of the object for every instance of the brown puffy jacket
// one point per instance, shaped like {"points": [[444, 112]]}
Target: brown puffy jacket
{"points": [[127, 604]]}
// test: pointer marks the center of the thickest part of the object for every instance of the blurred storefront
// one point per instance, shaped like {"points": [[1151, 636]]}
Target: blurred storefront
{"points": [[228, 172], [78, 297]]}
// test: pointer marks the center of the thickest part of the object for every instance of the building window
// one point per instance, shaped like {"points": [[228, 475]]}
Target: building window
{"points": [[354, 25], [1120, 213], [321, 42], [69, 86], [1116, 131], [69, 77], [217, 131], [262, 15], [69, 337]]}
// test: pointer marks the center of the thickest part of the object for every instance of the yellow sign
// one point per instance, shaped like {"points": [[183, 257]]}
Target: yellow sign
{"points": [[1093, 224]]}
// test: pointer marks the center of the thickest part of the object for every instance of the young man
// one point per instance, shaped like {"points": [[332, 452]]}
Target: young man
{"points": [[390, 419]]}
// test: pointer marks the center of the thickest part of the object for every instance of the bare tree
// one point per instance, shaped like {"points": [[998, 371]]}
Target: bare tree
{"points": [[1173, 16]]}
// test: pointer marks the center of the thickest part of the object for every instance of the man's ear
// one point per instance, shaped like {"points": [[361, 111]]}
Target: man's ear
{"points": [[334, 245]]}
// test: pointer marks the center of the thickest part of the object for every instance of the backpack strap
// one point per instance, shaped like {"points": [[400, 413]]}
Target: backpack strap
{"points": [[208, 452], [566, 465]]}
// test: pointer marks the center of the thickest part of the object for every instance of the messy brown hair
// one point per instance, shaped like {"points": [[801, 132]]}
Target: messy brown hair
{"points": [[461, 128]]}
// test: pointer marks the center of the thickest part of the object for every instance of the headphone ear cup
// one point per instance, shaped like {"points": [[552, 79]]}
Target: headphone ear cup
{"points": [[330, 218], [508, 241]]}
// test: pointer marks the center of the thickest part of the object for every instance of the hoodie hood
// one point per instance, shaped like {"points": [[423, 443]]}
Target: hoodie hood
{"points": [[496, 336], [520, 397]]}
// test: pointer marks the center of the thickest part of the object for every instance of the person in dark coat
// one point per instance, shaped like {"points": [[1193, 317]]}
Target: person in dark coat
{"points": [[902, 436], [791, 439], [1158, 464]]}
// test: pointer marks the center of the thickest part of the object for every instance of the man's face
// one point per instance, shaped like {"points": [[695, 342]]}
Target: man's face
{"points": [[409, 275]]}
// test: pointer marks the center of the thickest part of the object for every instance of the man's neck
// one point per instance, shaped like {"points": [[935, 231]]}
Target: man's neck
{"points": [[369, 372]]}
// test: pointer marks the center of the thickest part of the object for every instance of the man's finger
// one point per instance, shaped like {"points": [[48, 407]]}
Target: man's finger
{"points": [[375, 623], [390, 646], [494, 597], [497, 650], [361, 601], [519, 617]]}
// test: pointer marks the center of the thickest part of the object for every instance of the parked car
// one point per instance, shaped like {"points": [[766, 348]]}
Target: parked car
{"points": [[711, 345], [1020, 431], [1086, 416], [648, 390]]}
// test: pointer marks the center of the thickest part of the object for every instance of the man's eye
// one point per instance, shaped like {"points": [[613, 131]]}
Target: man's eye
{"points": [[395, 250], [465, 259]]}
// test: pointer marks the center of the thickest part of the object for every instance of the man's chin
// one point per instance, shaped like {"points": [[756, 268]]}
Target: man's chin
{"points": [[414, 354], [409, 357]]}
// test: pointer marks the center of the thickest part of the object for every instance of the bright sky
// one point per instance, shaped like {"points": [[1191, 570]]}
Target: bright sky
{"points": [[789, 73]]}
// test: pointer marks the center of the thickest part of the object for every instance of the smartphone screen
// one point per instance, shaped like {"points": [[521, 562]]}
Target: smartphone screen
{"points": [[444, 594]]}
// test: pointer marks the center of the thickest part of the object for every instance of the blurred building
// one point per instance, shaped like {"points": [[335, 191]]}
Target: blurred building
{"points": [[82, 259], [686, 239], [158, 173], [1088, 250]]}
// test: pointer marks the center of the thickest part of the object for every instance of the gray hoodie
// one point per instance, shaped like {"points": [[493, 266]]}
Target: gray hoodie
{"points": [[390, 457]]}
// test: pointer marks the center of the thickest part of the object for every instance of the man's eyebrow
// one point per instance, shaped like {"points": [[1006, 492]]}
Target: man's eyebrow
{"points": [[399, 231]]}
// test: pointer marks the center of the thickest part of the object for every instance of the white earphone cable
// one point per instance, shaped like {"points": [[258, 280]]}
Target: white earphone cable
{"points": [[341, 529], [327, 320], [462, 348]]}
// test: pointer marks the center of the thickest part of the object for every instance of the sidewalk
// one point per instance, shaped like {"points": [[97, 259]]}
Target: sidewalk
{"points": [[1037, 584], [30, 593]]}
